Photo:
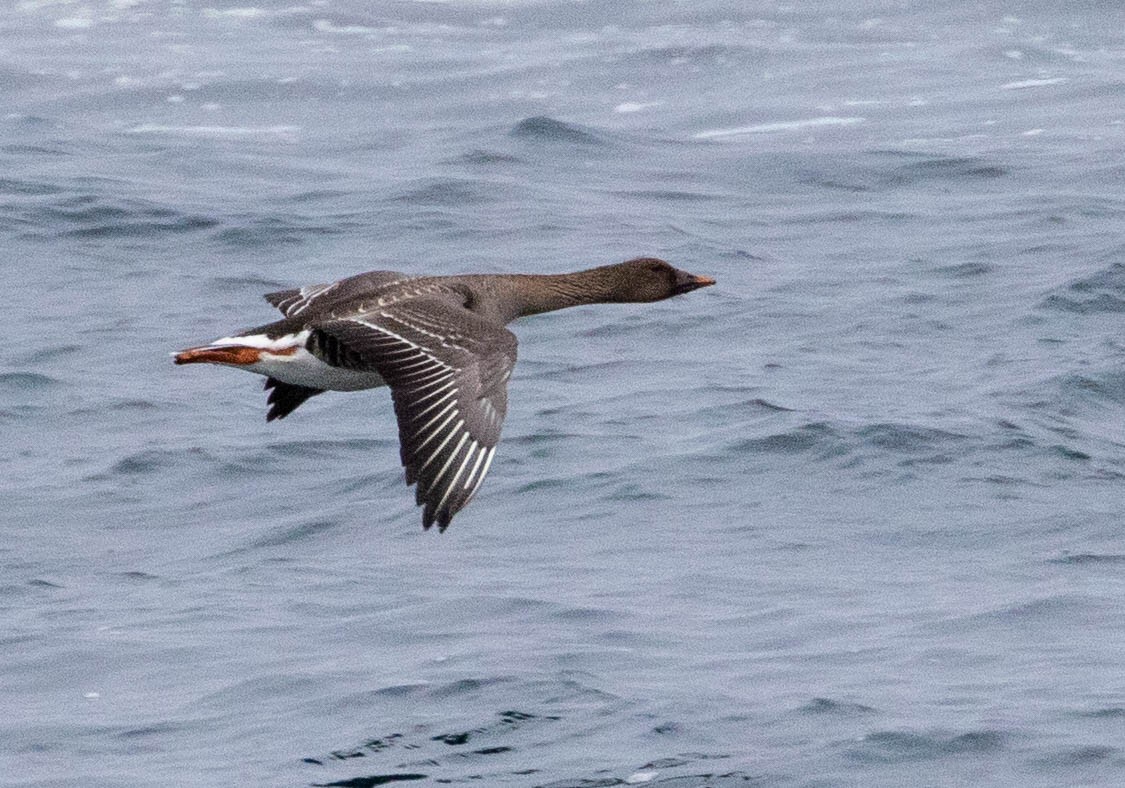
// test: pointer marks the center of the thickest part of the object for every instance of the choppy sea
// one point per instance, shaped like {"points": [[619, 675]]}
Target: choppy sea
{"points": [[852, 517]]}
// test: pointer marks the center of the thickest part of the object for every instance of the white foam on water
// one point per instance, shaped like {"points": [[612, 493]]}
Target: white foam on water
{"points": [[324, 26], [1024, 84], [242, 12], [769, 128], [75, 22], [636, 106], [215, 131]]}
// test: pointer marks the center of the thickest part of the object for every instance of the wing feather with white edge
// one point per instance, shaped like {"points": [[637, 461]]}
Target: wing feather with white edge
{"points": [[448, 371], [297, 302]]}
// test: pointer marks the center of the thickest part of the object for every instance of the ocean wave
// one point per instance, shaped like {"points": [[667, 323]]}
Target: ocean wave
{"points": [[48, 352], [956, 168], [14, 79], [97, 216], [545, 129], [858, 216], [965, 270], [483, 158], [1090, 559], [17, 382], [26, 188], [1106, 387], [1105, 713], [324, 448], [252, 460], [448, 192], [240, 284], [825, 440], [668, 195], [895, 746], [1067, 419], [816, 438], [295, 535], [698, 54], [1055, 610], [886, 170], [501, 745], [906, 438], [593, 480], [271, 230], [632, 492], [256, 460], [1079, 756], [1098, 293], [835, 708], [147, 461], [986, 454]]}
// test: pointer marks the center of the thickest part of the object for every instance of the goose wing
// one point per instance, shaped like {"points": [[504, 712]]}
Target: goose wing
{"points": [[299, 301], [448, 371]]}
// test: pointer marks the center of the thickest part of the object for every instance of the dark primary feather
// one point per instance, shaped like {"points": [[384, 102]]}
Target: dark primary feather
{"points": [[285, 398], [448, 370]]}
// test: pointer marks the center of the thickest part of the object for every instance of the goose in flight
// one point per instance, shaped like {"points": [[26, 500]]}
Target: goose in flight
{"points": [[438, 342]]}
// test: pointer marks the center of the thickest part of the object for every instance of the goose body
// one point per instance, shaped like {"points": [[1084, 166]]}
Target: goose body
{"points": [[439, 343]]}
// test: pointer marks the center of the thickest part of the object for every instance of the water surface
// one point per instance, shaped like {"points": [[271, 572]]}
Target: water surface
{"points": [[849, 518]]}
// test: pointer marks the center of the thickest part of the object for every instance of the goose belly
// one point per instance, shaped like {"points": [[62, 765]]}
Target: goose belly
{"points": [[286, 359], [302, 368]]}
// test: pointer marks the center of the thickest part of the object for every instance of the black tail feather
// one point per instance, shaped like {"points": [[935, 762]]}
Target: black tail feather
{"points": [[286, 398]]}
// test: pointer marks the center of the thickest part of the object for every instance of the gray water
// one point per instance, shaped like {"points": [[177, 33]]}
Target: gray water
{"points": [[849, 518]]}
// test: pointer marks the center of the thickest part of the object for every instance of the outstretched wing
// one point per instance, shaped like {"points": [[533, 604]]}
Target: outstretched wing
{"points": [[296, 302], [448, 371]]}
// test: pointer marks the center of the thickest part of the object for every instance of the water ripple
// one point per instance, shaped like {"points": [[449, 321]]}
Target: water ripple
{"points": [[16, 382], [907, 746], [1090, 559], [449, 192], [545, 129], [95, 216], [835, 707], [817, 437], [1098, 293], [27, 188], [271, 230], [484, 158]]}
